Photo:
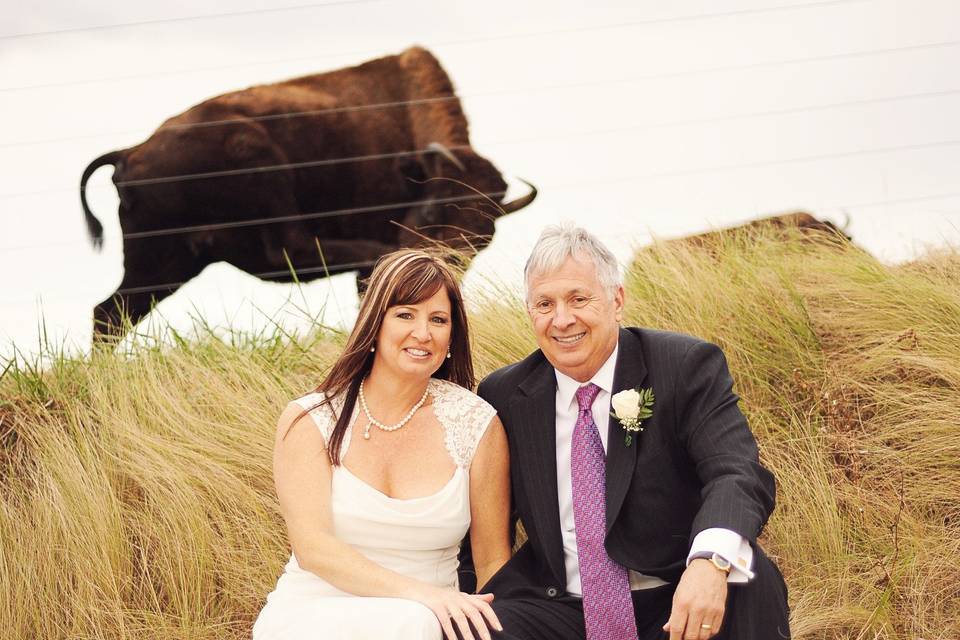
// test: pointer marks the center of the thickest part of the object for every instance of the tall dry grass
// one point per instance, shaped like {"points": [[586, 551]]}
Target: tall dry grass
{"points": [[135, 490]]}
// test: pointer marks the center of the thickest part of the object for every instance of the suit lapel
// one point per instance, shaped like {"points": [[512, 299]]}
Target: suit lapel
{"points": [[533, 411], [629, 373]]}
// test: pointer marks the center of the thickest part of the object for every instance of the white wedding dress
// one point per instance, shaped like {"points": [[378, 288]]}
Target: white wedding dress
{"points": [[419, 538]]}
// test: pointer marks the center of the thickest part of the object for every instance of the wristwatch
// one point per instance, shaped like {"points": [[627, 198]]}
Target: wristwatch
{"points": [[720, 563]]}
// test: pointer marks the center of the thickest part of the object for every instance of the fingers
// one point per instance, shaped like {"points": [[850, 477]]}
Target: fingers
{"points": [[716, 622], [460, 619], [706, 627], [468, 614], [710, 615], [487, 611], [693, 623], [479, 624], [444, 617], [694, 630], [677, 622]]}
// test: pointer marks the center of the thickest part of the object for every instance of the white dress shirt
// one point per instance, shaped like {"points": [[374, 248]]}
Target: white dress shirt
{"points": [[725, 543]]}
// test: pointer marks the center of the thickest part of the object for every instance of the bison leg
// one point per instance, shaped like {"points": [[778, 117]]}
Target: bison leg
{"points": [[153, 270], [119, 313]]}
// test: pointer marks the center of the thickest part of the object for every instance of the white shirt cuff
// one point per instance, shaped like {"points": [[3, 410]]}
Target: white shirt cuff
{"points": [[730, 546]]}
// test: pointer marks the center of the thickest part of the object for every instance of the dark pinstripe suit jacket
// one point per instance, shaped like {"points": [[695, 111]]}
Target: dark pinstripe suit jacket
{"points": [[693, 467]]}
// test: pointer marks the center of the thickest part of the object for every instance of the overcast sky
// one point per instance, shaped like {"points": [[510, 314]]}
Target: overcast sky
{"points": [[633, 118]]}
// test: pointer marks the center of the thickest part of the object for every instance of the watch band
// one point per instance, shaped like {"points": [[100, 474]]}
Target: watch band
{"points": [[721, 563]]}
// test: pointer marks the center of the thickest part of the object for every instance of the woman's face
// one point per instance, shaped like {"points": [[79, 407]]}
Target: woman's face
{"points": [[414, 338]]}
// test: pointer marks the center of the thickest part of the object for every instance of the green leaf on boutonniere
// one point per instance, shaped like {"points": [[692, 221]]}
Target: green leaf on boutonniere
{"points": [[631, 407]]}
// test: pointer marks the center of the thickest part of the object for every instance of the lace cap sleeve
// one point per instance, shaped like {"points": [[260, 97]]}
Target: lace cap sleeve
{"points": [[464, 416], [322, 416]]}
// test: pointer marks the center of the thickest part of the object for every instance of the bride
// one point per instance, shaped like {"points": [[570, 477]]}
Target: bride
{"points": [[382, 470]]}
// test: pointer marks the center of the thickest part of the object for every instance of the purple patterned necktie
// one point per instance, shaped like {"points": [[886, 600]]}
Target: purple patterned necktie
{"points": [[607, 606]]}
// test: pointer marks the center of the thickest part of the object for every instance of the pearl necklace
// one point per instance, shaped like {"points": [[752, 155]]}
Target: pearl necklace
{"points": [[384, 427]]}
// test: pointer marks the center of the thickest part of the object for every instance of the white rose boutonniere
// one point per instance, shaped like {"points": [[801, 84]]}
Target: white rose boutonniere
{"points": [[631, 407]]}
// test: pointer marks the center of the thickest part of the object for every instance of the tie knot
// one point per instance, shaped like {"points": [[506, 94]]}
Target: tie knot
{"points": [[586, 395]]}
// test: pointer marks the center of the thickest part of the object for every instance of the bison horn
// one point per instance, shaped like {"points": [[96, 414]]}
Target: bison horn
{"points": [[522, 201], [846, 221], [446, 153]]}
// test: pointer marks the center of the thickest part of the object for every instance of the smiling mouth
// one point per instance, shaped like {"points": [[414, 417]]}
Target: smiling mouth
{"points": [[570, 339], [419, 354]]}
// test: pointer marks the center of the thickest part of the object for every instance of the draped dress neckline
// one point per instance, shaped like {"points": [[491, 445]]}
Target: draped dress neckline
{"points": [[372, 489]]}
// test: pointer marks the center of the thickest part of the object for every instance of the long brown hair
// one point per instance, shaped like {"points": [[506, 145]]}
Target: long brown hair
{"points": [[407, 276]]}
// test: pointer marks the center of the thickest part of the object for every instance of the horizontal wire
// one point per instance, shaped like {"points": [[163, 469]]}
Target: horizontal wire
{"points": [[315, 215], [580, 184], [768, 163], [347, 266], [466, 41], [156, 21], [593, 132], [889, 201], [499, 92], [565, 136], [398, 205], [289, 115], [281, 167], [737, 116], [847, 205]]}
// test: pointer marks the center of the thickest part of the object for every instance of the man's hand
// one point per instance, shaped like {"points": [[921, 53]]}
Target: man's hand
{"points": [[700, 599]]}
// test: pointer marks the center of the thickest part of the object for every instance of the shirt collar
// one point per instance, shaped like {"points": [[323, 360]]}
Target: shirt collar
{"points": [[603, 378]]}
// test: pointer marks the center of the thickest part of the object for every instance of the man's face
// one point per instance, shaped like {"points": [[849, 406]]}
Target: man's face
{"points": [[574, 317]]}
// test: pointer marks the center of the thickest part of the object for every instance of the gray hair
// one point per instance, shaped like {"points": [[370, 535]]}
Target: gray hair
{"points": [[557, 243]]}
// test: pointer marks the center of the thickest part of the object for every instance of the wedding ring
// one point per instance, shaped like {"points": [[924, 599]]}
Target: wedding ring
{"points": [[706, 627]]}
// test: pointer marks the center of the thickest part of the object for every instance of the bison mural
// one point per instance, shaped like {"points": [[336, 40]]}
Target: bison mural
{"points": [[323, 173], [778, 225]]}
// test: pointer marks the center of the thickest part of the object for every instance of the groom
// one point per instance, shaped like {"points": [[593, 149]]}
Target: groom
{"points": [[630, 534]]}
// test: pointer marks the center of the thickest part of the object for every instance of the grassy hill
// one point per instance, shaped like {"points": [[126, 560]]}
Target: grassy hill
{"points": [[136, 499]]}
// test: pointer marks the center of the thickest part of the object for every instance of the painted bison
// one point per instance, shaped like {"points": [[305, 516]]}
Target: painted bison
{"points": [[316, 175], [783, 225]]}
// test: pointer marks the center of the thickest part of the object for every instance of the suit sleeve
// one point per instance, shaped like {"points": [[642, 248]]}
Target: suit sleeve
{"points": [[738, 493]]}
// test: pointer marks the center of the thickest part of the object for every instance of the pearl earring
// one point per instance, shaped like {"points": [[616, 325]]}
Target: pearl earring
{"points": [[373, 348], [448, 354]]}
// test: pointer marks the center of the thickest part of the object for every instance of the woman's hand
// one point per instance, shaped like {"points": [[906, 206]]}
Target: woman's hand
{"points": [[460, 609]]}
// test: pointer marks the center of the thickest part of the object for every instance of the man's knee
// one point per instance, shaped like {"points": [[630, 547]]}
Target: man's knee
{"points": [[538, 619], [759, 608]]}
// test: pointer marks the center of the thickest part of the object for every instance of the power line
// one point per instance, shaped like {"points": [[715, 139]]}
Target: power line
{"points": [[340, 268], [889, 201], [741, 116], [334, 161], [652, 176], [209, 16], [315, 215], [280, 167], [873, 203], [407, 153], [467, 41], [579, 184], [298, 217], [766, 163], [502, 92], [289, 115]]}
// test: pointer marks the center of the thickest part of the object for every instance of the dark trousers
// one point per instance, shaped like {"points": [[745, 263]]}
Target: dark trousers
{"points": [[754, 611]]}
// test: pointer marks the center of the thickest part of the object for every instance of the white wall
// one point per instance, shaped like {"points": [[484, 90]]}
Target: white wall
{"points": [[633, 118]]}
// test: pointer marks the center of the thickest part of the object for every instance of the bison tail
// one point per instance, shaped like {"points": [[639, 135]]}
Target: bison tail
{"points": [[94, 228]]}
